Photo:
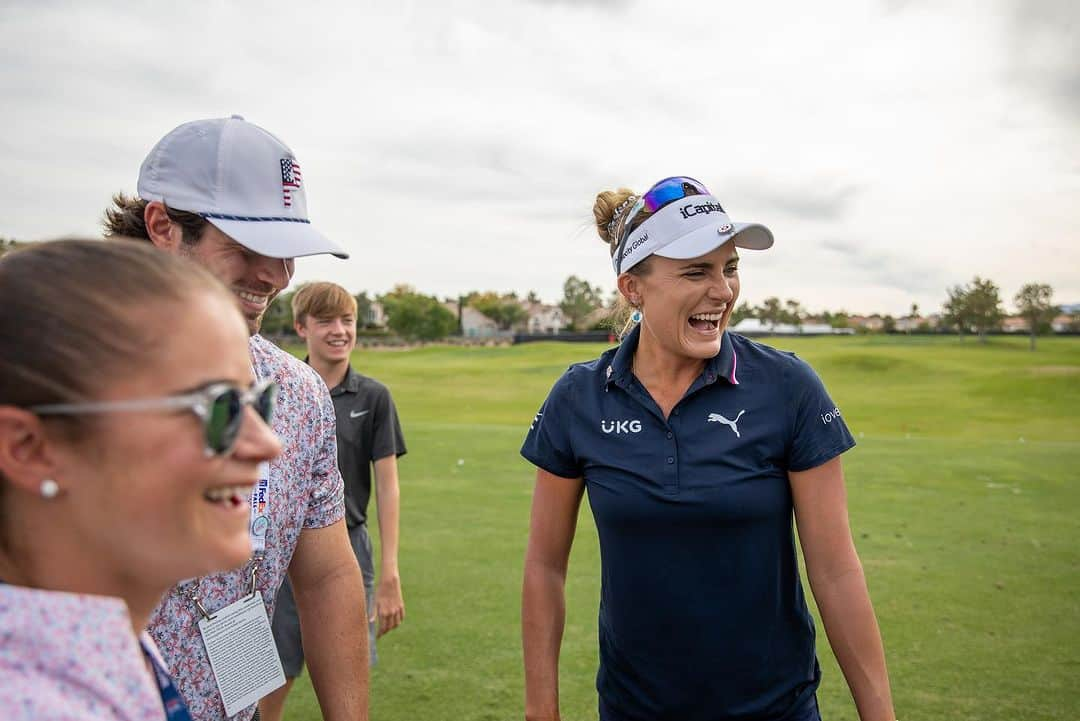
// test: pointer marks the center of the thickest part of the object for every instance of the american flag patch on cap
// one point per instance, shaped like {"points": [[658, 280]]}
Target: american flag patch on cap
{"points": [[290, 179]]}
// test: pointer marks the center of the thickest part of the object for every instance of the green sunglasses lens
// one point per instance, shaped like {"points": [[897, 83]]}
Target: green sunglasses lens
{"points": [[227, 413], [224, 421], [266, 402]]}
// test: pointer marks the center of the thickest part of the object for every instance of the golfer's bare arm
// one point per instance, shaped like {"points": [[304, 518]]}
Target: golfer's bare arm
{"points": [[839, 587], [555, 505], [389, 609], [329, 592]]}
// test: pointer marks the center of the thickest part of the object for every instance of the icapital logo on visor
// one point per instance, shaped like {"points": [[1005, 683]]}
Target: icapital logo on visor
{"points": [[691, 210]]}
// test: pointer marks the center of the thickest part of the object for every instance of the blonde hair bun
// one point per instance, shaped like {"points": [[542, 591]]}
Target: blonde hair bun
{"points": [[604, 210]]}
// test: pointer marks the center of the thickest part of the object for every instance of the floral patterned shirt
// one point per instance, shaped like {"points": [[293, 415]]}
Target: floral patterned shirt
{"points": [[68, 657], [306, 491]]}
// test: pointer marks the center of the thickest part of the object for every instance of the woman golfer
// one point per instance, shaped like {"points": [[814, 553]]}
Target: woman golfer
{"points": [[696, 447], [130, 436]]}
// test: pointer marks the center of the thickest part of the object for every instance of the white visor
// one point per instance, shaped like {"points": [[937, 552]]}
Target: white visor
{"points": [[688, 228]]}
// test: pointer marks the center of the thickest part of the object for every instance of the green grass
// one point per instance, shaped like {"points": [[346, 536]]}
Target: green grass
{"points": [[964, 502]]}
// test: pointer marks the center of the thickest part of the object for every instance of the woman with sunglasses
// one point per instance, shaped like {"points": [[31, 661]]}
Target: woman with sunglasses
{"points": [[697, 447], [128, 452]]}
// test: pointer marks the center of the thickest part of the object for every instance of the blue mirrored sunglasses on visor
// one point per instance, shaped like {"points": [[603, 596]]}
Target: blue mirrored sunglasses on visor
{"points": [[220, 407], [659, 195]]}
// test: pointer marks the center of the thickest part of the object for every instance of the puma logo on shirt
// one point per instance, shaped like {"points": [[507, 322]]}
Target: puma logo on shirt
{"points": [[717, 418]]}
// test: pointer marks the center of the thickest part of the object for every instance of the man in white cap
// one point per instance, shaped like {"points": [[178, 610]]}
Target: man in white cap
{"points": [[231, 196]]}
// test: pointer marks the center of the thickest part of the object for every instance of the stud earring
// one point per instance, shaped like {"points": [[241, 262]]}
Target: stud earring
{"points": [[49, 488]]}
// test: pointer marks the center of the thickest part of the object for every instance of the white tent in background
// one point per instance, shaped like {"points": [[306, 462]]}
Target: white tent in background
{"points": [[755, 326]]}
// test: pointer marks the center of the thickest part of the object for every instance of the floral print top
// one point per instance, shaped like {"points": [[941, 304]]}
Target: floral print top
{"points": [[72, 657]]}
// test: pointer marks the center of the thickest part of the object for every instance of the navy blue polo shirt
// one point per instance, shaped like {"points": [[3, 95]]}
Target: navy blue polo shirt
{"points": [[702, 613]]}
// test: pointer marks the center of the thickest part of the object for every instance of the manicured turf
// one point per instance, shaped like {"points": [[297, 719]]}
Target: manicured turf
{"points": [[964, 501]]}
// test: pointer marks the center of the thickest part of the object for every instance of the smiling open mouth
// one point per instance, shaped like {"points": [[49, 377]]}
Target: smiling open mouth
{"points": [[228, 496], [256, 298], [705, 321]]}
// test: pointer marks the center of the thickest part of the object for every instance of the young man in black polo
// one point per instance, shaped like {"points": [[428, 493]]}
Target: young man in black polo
{"points": [[369, 436]]}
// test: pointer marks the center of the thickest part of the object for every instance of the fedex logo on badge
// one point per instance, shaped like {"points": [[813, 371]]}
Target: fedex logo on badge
{"points": [[615, 426], [258, 496]]}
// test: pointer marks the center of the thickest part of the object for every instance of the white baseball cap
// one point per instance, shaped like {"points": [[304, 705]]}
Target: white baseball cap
{"points": [[688, 222], [242, 179]]}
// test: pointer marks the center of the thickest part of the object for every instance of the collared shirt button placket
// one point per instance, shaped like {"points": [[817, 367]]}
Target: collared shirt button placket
{"points": [[670, 472], [671, 466]]}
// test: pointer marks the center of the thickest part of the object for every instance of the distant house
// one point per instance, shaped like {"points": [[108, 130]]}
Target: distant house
{"points": [[374, 316], [909, 324], [1015, 324], [1064, 323], [474, 324], [872, 323], [543, 318]]}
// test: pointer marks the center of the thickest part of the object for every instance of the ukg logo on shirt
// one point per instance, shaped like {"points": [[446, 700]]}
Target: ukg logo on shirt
{"points": [[616, 426]]}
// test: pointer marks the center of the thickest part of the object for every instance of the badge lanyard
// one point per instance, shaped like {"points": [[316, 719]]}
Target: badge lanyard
{"points": [[260, 504], [175, 710], [259, 525], [238, 639], [258, 528]]}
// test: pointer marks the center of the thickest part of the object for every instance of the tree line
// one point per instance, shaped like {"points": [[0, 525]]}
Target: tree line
{"points": [[416, 316], [974, 308]]}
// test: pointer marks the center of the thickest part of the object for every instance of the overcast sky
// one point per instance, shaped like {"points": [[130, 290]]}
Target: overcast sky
{"points": [[894, 148]]}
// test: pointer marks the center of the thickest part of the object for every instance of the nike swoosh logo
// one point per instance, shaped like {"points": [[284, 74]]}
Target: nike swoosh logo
{"points": [[357, 414]]}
